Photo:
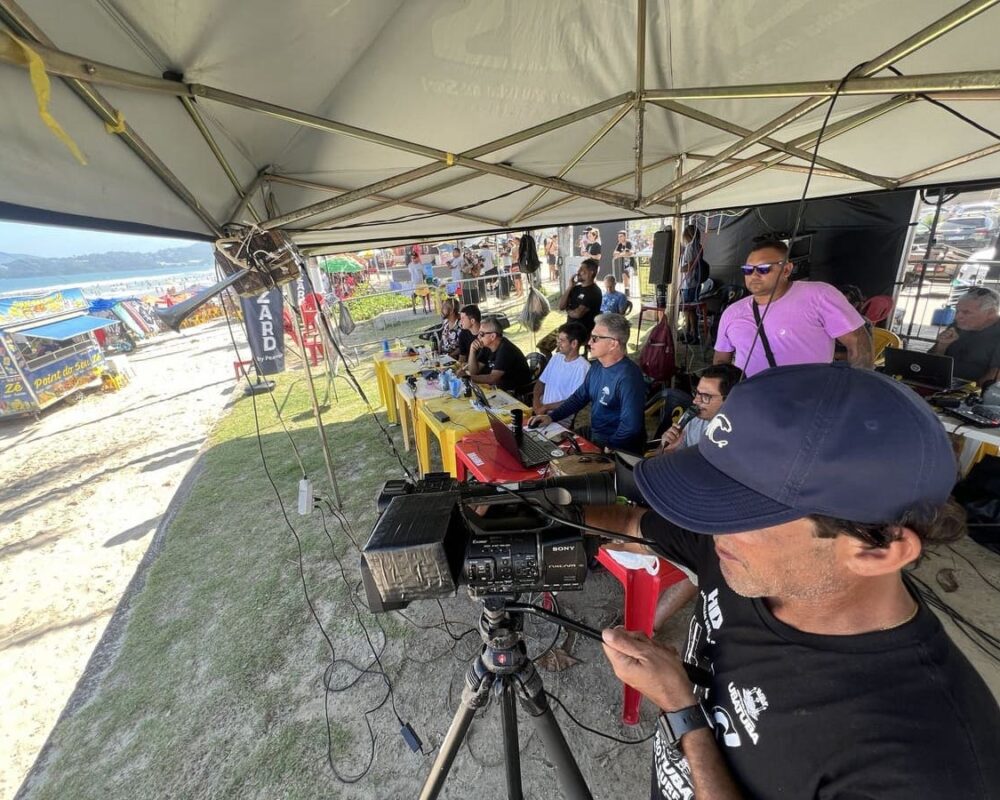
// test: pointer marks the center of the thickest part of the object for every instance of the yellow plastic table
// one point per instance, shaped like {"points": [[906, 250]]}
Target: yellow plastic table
{"points": [[408, 400], [463, 419], [392, 369]]}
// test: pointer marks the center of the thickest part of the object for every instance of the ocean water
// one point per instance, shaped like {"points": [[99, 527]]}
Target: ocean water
{"points": [[94, 281]]}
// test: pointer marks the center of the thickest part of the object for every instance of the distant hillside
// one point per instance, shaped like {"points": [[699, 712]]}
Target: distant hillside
{"points": [[171, 259]]}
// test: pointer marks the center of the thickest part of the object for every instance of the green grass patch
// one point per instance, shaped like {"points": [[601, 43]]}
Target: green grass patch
{"points": [[216, 689]]}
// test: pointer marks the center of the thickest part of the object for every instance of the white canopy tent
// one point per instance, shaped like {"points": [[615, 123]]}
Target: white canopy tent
{"points": [[350, 122]]}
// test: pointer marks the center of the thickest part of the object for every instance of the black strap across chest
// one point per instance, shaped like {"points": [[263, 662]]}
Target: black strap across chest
{"points": [[763, 336]]}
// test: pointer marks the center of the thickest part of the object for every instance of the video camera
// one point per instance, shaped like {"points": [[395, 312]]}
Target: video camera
{"points": [[497, 539]]}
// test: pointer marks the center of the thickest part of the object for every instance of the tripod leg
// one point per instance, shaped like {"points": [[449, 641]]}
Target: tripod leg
{"points": [[510, 742], [475, 695], [449, 749], [534, 701]]}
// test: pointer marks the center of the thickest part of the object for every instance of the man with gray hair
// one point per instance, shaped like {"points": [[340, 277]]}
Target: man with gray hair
{"points": [[614, 388], [973, 340]]}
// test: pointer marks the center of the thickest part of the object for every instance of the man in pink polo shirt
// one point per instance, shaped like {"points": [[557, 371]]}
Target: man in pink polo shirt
{"points": [[799, 322]]}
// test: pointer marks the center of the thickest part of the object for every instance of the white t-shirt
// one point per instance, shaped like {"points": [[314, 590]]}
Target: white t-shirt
{"points": [[456, 268], [487, 256], [562, 377], [693, 431], [416, 273]]}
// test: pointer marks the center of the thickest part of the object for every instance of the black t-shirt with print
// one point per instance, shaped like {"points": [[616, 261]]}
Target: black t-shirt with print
{"points": [[890, 715], [510, 360], [621, 247], [589, 296], [976, 352], [594, 250]]}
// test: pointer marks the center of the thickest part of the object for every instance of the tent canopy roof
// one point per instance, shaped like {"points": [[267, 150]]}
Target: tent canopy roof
{"points": [[369, 121]]}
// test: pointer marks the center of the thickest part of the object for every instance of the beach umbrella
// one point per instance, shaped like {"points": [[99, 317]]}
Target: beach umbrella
{"points": [[341, 264]]}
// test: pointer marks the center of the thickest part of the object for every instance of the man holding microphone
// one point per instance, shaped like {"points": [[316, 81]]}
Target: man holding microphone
{"points": [[714, 384]]}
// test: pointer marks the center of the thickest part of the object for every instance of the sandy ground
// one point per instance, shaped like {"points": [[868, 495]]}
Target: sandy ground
{"points": [[81, 493]]}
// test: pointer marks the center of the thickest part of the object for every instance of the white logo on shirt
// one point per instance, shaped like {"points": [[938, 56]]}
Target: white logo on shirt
{"points": [[673, 773], [718, 423], [605, 396], [712, 613], [749, 704], [725, 728]]}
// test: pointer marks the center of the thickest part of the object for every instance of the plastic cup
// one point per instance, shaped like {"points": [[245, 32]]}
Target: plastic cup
{"points": [[456, 387]]}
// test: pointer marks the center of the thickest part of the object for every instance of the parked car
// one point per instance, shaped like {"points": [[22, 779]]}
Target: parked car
{"points": [[966, 233], [981, 209]]}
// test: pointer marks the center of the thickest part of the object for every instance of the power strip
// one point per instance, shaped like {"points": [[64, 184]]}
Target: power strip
{"points": [[306, 499]]}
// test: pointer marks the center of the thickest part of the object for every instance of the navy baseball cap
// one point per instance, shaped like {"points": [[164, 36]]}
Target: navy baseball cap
{"points": [[807, 439]]}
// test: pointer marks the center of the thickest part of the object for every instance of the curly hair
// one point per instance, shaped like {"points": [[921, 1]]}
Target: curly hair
{"points": [[932, 524]]}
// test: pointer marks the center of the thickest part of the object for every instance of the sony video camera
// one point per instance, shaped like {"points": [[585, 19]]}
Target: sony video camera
{"points": [[497, 539]]}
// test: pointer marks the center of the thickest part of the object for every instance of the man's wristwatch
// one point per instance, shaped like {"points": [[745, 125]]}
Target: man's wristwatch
{"points": [[674, 724]]}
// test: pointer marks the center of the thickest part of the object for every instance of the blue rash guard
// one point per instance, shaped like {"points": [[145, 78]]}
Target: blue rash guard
{"points": [[618, 396]]}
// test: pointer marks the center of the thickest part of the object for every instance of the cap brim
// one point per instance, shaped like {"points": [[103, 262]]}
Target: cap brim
{"points": [[691, 493]]}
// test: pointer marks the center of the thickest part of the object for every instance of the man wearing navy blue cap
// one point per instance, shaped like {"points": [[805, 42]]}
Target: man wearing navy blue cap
{"points": [[808, 494]]}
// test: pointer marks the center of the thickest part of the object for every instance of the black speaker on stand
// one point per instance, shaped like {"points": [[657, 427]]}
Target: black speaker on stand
{"points": [[660, 271]]}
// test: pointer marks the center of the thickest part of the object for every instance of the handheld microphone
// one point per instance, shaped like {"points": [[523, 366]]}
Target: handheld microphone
{"points": [[689, 414], [592, 489]]}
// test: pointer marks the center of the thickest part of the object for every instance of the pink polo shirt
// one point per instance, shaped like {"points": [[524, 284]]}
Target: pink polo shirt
{"points": [[801, 326]]}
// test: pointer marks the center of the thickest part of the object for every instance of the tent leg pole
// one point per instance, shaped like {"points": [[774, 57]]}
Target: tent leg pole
{"points": [[317, 414]]}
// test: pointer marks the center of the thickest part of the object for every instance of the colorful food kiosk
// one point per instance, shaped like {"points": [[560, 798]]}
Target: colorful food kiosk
{"points": [[47, 350]]}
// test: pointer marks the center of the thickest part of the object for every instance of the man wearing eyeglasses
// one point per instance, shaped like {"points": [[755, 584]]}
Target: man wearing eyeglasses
{"points": [[784, 323], [614, 389], [714, 383], [497, 361]]}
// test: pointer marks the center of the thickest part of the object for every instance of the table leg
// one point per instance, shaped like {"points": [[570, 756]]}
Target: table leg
{"points": [[421, 443], [404, 418], [448, 441], [391, 413], [970, 449]]}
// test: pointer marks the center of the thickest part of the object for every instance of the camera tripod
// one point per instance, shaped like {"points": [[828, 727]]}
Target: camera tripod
{"points": [[503, 669]]}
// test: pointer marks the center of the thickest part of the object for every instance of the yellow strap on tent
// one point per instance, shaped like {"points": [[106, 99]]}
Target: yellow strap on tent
{"points": [[43, 93], [119, 126], [449, 159]]}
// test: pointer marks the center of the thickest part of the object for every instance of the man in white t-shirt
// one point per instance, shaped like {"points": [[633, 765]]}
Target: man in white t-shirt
{"points": [[565, 371], [456, 264]]}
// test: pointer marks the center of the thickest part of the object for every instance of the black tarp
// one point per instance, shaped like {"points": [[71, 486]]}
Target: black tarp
{"points": [[855, 240]]}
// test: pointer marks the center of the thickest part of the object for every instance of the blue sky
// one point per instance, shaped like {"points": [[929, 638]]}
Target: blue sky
{"points": [[59, 242]]}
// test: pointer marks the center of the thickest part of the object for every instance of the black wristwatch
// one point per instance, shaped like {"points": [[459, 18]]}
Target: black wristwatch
{"points": [[674, 724]]}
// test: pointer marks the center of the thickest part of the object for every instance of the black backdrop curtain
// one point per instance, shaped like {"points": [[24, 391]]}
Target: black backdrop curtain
{"points": [[855, 240]]}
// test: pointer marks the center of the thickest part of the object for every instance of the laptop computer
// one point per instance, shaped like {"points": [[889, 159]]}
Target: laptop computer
{"points": [[923, 370], [534, 449]]}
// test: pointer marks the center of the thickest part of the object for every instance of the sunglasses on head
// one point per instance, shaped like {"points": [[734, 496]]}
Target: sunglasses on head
{"points": [[760, 269]]}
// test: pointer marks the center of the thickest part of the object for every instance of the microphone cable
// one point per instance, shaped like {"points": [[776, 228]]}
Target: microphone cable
{"points": [[798, 214]]}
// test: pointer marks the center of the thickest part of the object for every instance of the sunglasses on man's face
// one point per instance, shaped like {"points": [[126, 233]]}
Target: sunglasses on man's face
{"points": [[760, 269]]}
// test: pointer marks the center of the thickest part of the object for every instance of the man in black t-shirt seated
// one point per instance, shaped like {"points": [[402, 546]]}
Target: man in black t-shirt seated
{"points": [[974, 340], [826, 675], [497, 361], [468, 320], [582, 299]]}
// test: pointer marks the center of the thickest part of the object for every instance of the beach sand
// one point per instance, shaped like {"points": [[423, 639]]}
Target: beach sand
{"points": [[83, 489]]}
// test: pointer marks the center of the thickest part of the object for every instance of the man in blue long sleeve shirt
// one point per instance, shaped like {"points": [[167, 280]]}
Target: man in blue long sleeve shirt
{"points": [[614, 387]]}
